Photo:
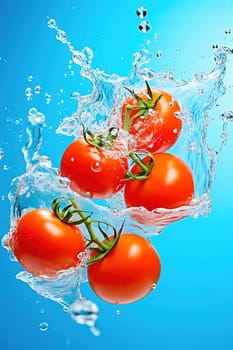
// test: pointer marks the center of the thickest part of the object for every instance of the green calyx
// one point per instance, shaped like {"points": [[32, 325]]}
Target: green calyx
{"points": [[145, 168], [143, 108], [100, 141], [68, 211]]}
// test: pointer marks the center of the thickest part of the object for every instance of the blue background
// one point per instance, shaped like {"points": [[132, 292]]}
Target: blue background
{"points": [[192, 306]]}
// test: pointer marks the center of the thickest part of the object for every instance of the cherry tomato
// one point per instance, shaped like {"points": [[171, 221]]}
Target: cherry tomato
{"points": [[127, 273], [169, 185], [156, 127], [93, 172], [44, 245]]}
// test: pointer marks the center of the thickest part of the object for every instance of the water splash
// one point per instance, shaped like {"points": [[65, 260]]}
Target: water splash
{"points": [[100, 109]]}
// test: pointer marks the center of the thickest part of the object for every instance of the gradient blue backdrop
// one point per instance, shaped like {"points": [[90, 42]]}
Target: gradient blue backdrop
{"points": [[192, 306]]}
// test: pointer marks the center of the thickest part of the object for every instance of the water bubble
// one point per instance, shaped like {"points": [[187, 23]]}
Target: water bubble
{"points": [[227, 116], [75, 95], [43, 326], [28, 93], [61, 36], [1, 153], [144, 26], [158, 54], [52, 23], [228, 31], [30, 78], [84, 312], [78, 57], [37, 89], [156, 37], [45, 162], [48, 98], [35, 117], [141, 12]]}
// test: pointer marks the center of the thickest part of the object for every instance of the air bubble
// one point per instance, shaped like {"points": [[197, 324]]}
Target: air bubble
{"points": [[37, 89], [1, 153], [84, 312], [35, 117], [28, 93], [158, 54], [61, 36], [48, 98], [228, 31], [52, 23], [227, 116], [144, 26], [141, 12], [30, 78], [43, 326]]}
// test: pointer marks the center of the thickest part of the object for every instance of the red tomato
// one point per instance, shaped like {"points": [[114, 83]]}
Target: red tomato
{"points": [[169, 185], [93, 172], [127, 273], [44, 245], [155, 129]]}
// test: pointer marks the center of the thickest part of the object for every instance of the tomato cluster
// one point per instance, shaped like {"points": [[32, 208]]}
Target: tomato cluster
{"points": [[124, 267]]}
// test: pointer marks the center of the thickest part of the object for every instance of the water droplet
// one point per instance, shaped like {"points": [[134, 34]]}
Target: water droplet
{"points": [[43, 326], [158, 54], [30, 78], [215, 46], [118, 312], [88, 193], [175, 131], [154, 286], [37, 89], [156, 37], [71, 72], [96, 167], [28, 93], [144, 27], [84, 312], [3, 198], [61, 36], [141, 12], [227, 116], [6, 167], [1, 153], [52, 23], [42, 311], [228, 31]]}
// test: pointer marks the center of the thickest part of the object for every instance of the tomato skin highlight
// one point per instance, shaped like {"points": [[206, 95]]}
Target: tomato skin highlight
{"points": [[44, 245], [91, 172], [127, 273], [160, 130], [169, 185]]}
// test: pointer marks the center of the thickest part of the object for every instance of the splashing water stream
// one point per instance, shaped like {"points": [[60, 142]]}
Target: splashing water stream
{"points": [[41, 182]]}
